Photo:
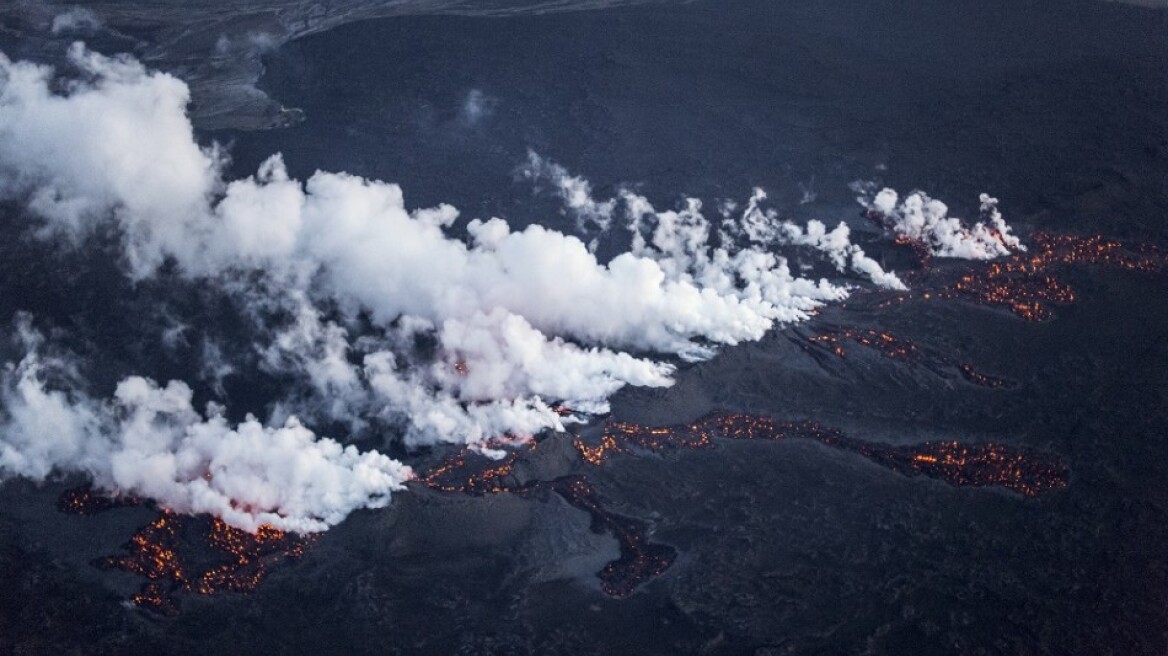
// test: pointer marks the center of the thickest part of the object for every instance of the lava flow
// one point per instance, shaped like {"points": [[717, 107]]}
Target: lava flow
{"points": [[640, 559], [896, 348], [194, 554], [1024, 471], [978, 378], [203, 555], [457, 473], [1026, 284]]}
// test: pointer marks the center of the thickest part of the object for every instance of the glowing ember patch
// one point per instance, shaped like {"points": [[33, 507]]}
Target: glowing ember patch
{"points": [[201, 555], [888, 344], [596, 455], [918, 247]]}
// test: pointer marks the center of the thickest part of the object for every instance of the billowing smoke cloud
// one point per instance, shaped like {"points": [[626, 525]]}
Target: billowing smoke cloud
{"points": [[150, 441], [927, 221], [524, 327]]}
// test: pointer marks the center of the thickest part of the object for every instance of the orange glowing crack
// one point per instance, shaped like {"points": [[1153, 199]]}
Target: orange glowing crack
{"points": [[1020, 470], [891, 346]]}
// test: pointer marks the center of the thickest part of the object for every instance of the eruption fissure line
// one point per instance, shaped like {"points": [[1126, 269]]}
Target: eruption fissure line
{"points": [[896, 348], [1025, 471]]}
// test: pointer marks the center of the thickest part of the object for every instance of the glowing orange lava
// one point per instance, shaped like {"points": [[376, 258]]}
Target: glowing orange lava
{"points": [[1021, 470], [458, 473], [202, 555], [189, 554], [978, 378], [640, 559], [1026, 283]]}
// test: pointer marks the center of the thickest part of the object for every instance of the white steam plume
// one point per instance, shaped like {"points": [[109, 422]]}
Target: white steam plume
{"points": [[685, 234], [574, 191], [926, 220], [765, 227], [150, 441]]}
